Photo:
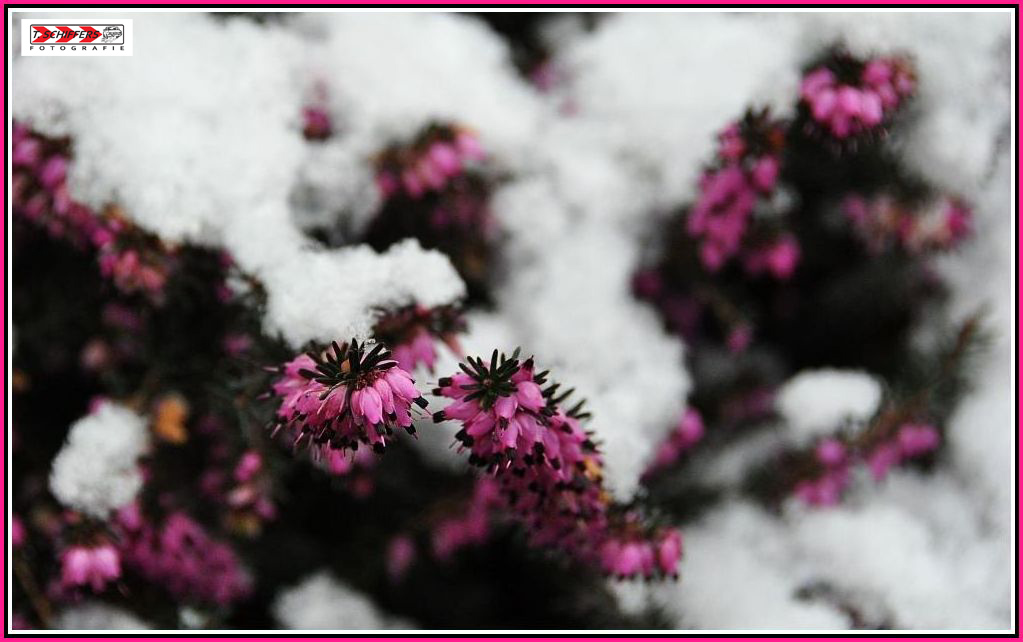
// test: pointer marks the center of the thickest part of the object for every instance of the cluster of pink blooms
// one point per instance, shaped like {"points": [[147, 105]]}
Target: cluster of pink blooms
{"points": [[684, 312], [316, 123], [412, 333], [637, 550], [401, 553], [547, 467], [883, 222], [848, 97], [831, 455], [471, 526], [439, 155], [181, 557], [749, 162], [92, 565], [344, 397], [910, 441], [835, 459], [40, 195], [249, 500], [684, 436]]}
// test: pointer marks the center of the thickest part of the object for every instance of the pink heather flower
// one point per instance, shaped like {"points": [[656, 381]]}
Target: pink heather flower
{"points": [[468, 146], [419, 350], [183, 559], [686, 434], [739, 338], [471, 527], [237, 344], [731, 144], [728, 194], [646, 554], [27, 153], [882, 458], [647, 283], [346, 397], [92, 565], [826, 490], [401, 553], [883, 222], [18, 534], [387, 183], [846, 109], [958, 221], [316, 124], [53, 172], [765, 173], [413, 185], [917, 439], [445, 158], [783, 257], [249, 465], [545, 465], [831, 452]]}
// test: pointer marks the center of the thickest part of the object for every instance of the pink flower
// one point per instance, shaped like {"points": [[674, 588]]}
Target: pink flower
{"points": [[316, 124], [545, 465], [401, 553], [53, 172], [848, 109], [27, 153], [180, 557], [92, 565], [918, 439], [815, 81], [347, 397], [468, 146], [250, 464], [826, 490], [18, 534], [882, 458], [783, 257], [732, 146], [958, 221], [419, 350], [687, 433], [739, 338], [765, 173], [831, 452], [445, 158]]}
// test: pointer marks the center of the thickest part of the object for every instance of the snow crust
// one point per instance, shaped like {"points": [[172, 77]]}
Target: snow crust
{"points": [[202, 144]]}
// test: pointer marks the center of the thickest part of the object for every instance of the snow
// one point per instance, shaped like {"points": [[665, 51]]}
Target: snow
{"points": [[96, 616], [210, 152], [815, 403], [321, 602], [96, 471], [202, 144]]}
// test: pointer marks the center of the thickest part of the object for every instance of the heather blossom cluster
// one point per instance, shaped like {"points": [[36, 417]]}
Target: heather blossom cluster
{"points": [[686, 434], [549, 469], [847, 96], [133, 261], [436, 188], [346, 396], [836, 457], [748, 166], [412, 332], [883, 222], [439, 155], [179, 555], [94, 565]]}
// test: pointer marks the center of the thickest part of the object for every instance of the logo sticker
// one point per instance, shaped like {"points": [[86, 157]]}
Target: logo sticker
{"points": [[111, 37]]}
